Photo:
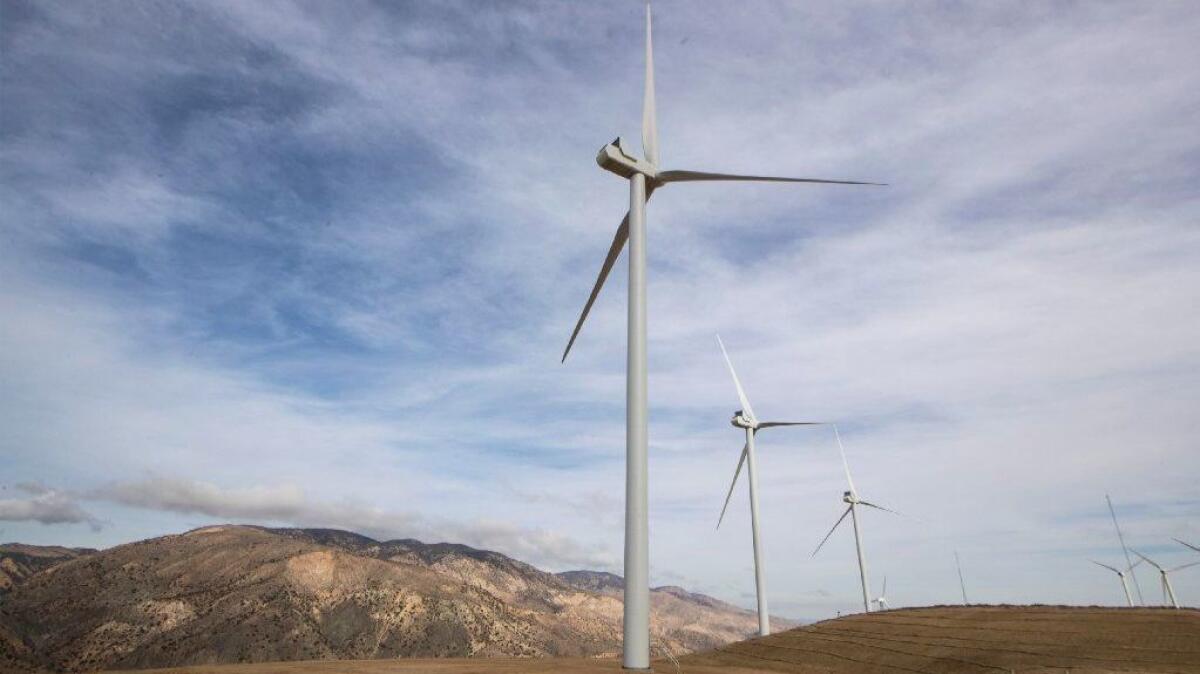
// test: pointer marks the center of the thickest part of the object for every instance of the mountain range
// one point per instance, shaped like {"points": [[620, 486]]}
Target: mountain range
{"points": [[233, 593]]}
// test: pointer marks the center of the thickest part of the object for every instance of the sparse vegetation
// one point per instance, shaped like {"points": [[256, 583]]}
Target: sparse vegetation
{"points": [[935, 640], [251, 595]]}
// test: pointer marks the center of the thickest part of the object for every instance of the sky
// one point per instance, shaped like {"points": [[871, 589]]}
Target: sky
{"points": [[314, 264]]}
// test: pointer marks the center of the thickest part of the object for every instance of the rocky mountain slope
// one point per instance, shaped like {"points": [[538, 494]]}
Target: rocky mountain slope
{"points": [[228, 594], [18, 562]]}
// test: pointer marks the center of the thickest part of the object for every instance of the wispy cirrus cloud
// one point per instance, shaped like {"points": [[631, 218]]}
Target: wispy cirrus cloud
{"points": [[301, 254]]}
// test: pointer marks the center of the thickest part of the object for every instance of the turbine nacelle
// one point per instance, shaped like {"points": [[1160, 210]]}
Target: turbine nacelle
{"points": [[740, 420], [849, 497], [615, 158]]}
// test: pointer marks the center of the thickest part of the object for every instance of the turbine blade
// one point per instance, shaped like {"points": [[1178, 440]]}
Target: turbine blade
{"points": [[1148, 560], [961, 584], [845, 465], [699, 176], [1189, 545], [614, 251], [1184, 566], [649, 111], [736, 473], [771, 424], [835, 526], [1125, 549], [1117, 571], [746, 409], [872, 505]]}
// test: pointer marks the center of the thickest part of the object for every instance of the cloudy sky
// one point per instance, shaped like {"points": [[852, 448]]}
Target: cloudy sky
{"points": [[315, 264]]}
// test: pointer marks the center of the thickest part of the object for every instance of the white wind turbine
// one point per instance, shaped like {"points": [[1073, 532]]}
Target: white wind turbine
{"points": [[1128, 561], [745, 419], [644, 178], [1121, 575], [1165, 578], [851, 497], [961, 584], [881, 601]]}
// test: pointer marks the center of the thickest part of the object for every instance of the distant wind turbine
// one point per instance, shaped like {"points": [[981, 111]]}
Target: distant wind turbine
{"points": [[961, 585], [1165, 578], [644, 176], [881, 601], [1124, 549], [851, 497], [1121, 575], [745, 419]]}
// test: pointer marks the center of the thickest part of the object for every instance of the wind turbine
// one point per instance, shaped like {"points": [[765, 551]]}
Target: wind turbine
{"points": [[1168, 591], [851, 497], [1121, 575], [644, 178], [745, 419], [1186, 545], [961, 585], [1128, 561], [881, 601]]}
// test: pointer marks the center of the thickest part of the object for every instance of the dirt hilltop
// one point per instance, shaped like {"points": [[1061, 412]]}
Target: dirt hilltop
{"points": [[230, 594], [978, 639]]}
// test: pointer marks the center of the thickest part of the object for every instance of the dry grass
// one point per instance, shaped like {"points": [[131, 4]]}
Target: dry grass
{"points": [[979, 639], [933, 640], [446, 666]]}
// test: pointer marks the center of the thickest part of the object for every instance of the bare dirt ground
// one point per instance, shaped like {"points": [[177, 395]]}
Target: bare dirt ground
{"points": [[449, 666], [935, 640], [979, 639]]}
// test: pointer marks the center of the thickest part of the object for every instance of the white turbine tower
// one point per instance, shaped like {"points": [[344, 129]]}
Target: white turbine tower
{"points": [[644, 178], [1121, 575], [881, 601], [745, 419], [1165, 578], [1128, 561], [851, 497]]}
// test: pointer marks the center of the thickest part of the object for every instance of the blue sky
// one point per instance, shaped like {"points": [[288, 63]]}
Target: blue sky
{"points": [[314, 264]]}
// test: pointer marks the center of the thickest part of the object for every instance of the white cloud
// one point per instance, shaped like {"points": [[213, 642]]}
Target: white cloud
{"points": [[289, 504], [45, 506], [1008, 331]]}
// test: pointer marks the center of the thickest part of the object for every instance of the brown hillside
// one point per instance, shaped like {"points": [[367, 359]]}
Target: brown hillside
{"points": [[229, 594], [978, 639], [933, 640], [18, 561]]}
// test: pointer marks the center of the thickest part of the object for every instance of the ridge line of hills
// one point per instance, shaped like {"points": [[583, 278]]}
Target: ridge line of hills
{"points": [[242, 593]]}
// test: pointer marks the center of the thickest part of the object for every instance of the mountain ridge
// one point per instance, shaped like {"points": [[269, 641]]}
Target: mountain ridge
{"points": [[18, 561], [241, 593]]}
